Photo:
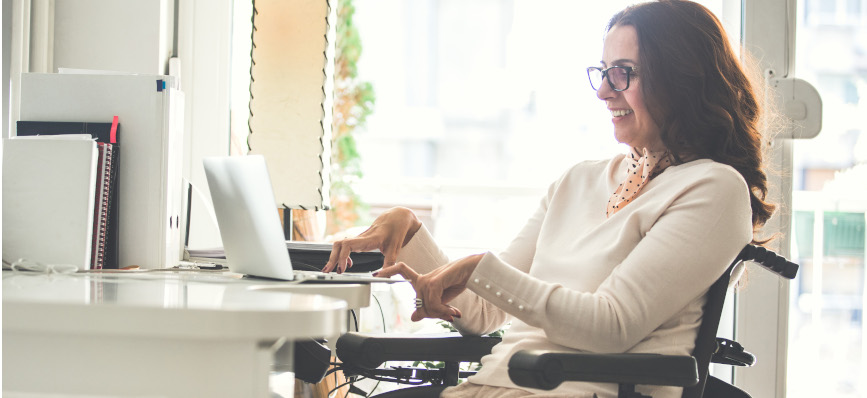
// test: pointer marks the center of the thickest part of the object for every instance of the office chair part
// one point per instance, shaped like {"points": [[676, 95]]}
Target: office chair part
{"points": [[369, 351], [770, 260], [547, 370], [362, 354], [311, 359]]}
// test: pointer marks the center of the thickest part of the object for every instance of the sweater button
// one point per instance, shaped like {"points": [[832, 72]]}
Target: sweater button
{"points": [[520, 308], [499, 294], [476, 280], [509, 301], [487, 286]]}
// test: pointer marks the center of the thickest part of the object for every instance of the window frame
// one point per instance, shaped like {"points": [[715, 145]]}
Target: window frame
{"points": [[769, 34]]}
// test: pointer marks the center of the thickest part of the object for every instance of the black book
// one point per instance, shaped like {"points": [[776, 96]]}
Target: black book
{"points": [[100, 131]]}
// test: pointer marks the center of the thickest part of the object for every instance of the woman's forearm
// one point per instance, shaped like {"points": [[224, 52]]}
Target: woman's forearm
{"points": [[479, 316]]}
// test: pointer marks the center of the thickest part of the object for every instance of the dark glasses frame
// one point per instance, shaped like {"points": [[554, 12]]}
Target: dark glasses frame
{"points": [[604, 73]]}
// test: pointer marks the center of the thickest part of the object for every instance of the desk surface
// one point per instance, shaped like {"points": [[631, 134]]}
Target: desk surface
{"points": [[175, 305], [190, 334]]}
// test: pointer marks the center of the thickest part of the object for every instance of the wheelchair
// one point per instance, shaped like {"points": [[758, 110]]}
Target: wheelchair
{"points": [[363, 355]]}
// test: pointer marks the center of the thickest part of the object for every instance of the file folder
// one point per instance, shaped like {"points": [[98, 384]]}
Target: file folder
{"points": [[150, 108]]}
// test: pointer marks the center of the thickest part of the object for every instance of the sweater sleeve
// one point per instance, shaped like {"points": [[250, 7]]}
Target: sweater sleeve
{"points": [[423, 255], [688, 247], [480, 316]]}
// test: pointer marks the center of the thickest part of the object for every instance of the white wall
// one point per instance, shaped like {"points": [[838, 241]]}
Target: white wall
{"points": [[7, 55], [137, 36], [204, 49], [129, 36]]}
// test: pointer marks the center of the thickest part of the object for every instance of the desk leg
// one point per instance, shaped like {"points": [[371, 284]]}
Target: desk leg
{"points": [[282, 378]]}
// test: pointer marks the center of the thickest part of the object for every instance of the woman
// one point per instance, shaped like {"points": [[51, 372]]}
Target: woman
{"points": [[620, 253]]}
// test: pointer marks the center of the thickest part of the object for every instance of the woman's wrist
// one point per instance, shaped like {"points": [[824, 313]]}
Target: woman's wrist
{"points": [[467, 266], [472, 261], [414, 225], [476, 258]]}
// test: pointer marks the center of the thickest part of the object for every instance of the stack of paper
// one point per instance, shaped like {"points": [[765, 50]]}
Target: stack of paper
{"points": [[49, 186]]}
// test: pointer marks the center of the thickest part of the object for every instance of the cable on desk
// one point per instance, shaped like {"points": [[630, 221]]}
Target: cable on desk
{"points": [[341, 385], [336, 365], [335, 384], [136, 270], [335, 368], [304, 266], [381, 312], [23, 264], [382, 316], [375, 386], [348, 390], [354, 318]]}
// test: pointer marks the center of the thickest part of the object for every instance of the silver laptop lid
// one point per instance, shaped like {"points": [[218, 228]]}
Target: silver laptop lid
{"points": [[247, 216]]}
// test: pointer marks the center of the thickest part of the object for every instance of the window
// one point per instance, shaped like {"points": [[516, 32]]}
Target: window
{"points": [[826, 321], [480, 105], [833, 13]]}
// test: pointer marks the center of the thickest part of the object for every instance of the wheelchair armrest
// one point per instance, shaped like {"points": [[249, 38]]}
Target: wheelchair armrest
{"points": [[731, 353], [369, 351], [546, 370]]}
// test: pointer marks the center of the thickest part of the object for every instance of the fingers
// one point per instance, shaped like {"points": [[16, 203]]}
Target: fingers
{"points": [[430, 291], [346, 265], [448, 316], [434, 306], [389, 233], [409, 274], [343, 263], [339, 259], [399, 269], [390, 253], [333, 258]]}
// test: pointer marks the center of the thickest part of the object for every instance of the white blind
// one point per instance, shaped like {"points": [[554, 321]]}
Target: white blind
{"points": [[291, 96]]}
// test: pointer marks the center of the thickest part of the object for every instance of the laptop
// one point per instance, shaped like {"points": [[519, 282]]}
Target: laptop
{"points": [[250, 227]]}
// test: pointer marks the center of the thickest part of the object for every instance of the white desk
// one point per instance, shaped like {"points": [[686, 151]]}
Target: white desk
{"points": [[356, 295], [155, 334]]}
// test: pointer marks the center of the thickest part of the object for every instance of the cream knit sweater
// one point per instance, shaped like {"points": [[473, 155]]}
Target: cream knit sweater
{"points": [[574, 280]]}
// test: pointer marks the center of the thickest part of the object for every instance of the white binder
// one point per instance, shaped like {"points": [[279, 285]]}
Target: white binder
{"points": [[48, 199], [150, 115]]}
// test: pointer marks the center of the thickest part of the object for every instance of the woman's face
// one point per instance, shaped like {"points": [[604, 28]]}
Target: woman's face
{"points": [[632, 122]]}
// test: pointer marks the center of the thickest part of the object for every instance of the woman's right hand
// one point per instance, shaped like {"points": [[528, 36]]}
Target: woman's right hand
{"points": [[391, 231]]}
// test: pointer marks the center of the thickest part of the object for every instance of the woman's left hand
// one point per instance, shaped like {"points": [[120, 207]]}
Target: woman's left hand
{"points": [[437, 288]]}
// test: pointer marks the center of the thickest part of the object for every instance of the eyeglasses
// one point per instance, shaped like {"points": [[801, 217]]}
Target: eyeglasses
{"points": [[618, 76]]}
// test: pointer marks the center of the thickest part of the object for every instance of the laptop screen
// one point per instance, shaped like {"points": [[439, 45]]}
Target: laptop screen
{"points": [[247, 216]]}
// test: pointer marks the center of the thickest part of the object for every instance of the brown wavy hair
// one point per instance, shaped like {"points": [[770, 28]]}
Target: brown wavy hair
{"points": [[698, 92]]}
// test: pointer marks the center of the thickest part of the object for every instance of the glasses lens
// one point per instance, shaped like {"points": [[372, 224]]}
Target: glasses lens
{"points": [[595, 75], [619, 78]]}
